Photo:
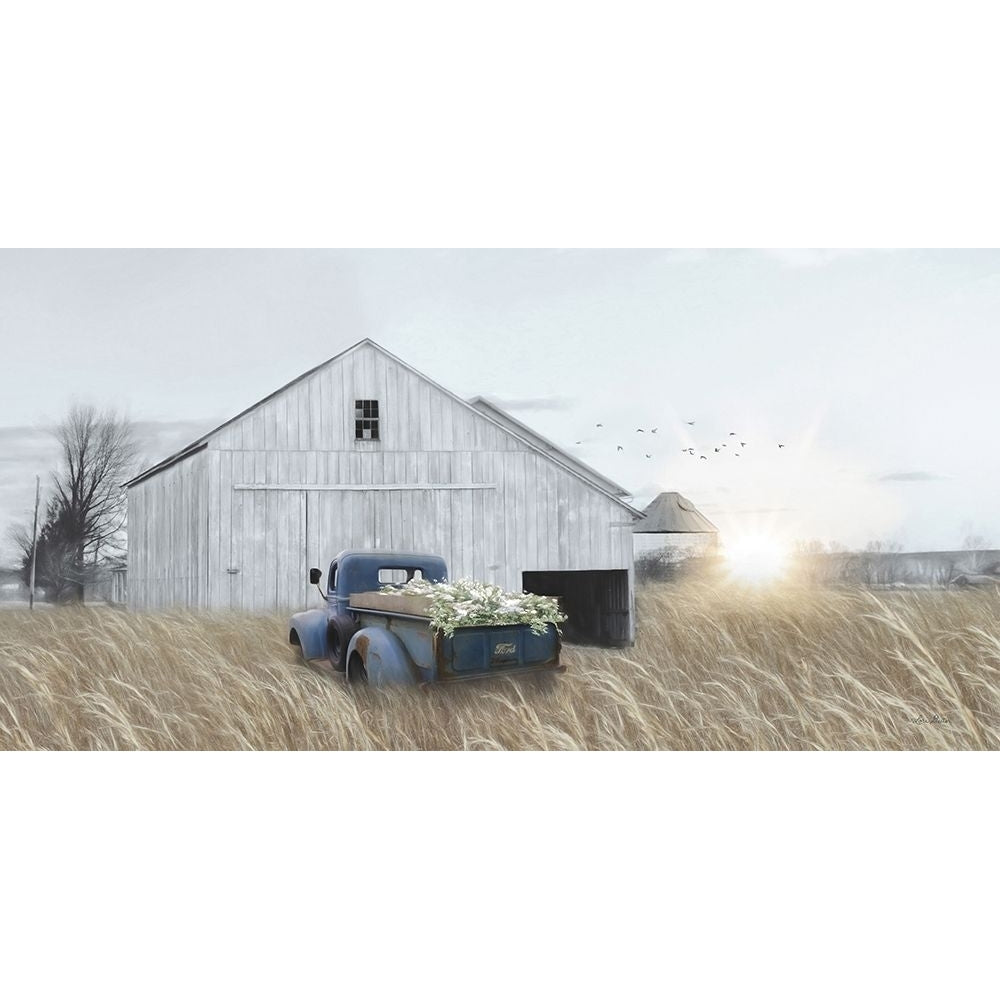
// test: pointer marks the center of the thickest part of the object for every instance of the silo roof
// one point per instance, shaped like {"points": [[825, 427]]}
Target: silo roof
{"points": [[671, 512]]}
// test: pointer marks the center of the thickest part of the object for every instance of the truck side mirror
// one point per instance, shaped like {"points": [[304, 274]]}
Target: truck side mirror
{"points": [[315, 575]]}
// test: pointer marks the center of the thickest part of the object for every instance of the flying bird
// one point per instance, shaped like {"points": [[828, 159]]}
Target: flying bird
{"points": [[732, 434], [690, 423], [736, 453], [703, 458], [639, 430], [653, 431], [743, 444], [649, 456], [781, 446], [599, 425], [579, 442], [718, 449], [620, 448]]}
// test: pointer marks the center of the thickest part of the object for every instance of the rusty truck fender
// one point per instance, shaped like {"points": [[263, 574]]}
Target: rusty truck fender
{"points": [[384, 657], [308, 630]]}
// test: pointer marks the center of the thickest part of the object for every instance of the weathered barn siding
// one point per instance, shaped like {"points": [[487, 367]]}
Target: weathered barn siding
{"points": [[491, 530], [287, 486], [168, 537], [119, 586]]}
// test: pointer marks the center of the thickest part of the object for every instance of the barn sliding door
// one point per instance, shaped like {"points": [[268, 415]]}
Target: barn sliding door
{"points": [[278, 533], [458, 524], [363, 519], [336, 520], [267, 566]]}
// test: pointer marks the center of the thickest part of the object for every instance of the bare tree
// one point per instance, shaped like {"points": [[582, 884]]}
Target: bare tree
{"points": [[98, 452], [85, 518], [976, 546], [811, 563], [943, 569], [974, 543], [878, 545], [879, 563]]}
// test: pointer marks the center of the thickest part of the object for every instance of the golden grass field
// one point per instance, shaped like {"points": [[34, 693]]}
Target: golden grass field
{"points": [[714, 667]]}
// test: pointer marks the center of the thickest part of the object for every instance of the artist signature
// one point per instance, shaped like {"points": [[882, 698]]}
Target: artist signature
{"points": [[932, 720]]}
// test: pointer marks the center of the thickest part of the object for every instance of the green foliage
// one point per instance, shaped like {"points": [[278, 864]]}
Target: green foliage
{"points": [[467, 602]]}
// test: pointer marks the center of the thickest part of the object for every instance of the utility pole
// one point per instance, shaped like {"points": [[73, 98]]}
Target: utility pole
{"points": [[34, 546]]}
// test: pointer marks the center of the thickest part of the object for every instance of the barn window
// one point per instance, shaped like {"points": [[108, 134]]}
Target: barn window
{"points": [[366, 420]]}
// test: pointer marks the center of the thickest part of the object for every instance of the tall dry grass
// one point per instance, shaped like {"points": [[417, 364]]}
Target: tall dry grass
{"points": [[713, 668]]}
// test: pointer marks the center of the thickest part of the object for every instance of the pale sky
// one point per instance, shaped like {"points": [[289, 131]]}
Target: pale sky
{"points": [[876, 369]]}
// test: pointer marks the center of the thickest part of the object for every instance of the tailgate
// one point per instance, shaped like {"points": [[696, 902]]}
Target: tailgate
{"points": [[494, 649]]}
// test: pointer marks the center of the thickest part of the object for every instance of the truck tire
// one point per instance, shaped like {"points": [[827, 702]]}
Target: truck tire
{"points": [[338, 636]]}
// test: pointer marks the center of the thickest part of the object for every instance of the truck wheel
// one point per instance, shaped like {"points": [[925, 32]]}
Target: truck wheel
{"points": [[338, 637], [356, 673]]}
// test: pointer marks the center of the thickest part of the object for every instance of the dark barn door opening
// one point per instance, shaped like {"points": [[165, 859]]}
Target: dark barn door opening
{"points": [[596, 601]]}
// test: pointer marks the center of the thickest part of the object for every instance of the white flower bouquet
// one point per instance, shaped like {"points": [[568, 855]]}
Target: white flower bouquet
{"points": [[467, 602]]}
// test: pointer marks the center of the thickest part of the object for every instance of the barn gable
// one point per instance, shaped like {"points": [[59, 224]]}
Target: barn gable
{"points": [[419, 417]]}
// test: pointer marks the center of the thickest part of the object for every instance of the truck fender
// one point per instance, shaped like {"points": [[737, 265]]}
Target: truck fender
{"points": [[384, 658], [308, 630]]}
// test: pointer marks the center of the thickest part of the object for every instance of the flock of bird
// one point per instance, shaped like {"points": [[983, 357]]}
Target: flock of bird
{"points": [[693, 452]]}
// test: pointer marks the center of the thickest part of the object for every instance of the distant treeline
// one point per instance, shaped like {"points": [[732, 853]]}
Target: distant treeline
{"points": [[868, 568], [934, 569]]}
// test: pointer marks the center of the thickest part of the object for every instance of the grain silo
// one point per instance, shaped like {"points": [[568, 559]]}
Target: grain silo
{"points": [[672, 528]]}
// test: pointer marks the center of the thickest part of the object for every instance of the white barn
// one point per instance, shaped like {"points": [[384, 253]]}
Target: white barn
{"points": [[364, 451]]}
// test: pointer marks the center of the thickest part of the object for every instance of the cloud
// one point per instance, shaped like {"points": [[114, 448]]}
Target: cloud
{"points": [[29, 451], [910, 477], [168, 436], [17, 443], [687, 256], [534, 403], [36, 447], [748, 510], [645, 493], [802, 257]]}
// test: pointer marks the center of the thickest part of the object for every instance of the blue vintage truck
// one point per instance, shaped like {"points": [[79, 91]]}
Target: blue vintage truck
{"points": [[386, 638]]}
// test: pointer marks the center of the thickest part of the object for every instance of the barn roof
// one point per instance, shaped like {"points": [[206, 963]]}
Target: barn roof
{"points": [[670, 512], [544, 444], [567, 462]]}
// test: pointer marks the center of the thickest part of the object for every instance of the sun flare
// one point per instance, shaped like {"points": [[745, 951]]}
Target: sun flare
{"points": [[756, 558]]}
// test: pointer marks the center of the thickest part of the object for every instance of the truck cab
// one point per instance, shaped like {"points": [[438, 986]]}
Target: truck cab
{"points": [[357, 572]]}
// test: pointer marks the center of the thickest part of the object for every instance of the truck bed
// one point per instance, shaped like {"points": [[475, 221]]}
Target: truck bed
{"points": [[400, 604], [473, 650]]}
